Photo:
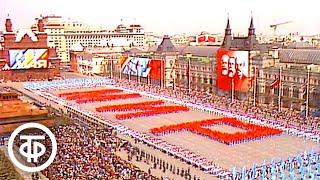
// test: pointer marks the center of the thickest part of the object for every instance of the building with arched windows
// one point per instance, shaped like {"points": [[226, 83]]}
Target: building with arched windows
{"points": [[25, 55]]}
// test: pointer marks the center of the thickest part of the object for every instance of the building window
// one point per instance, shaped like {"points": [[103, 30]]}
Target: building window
{"points": [[295, 92]]}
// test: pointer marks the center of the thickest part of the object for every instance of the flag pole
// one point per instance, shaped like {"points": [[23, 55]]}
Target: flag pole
{"points": [[255, 86], [280, 89], [120, 71], [161, 73], [174, 83], [307, 98], [189, 55], [173, 70], [111, 68], [129, 75], [189, 79], [232, 90], [164, 71]]}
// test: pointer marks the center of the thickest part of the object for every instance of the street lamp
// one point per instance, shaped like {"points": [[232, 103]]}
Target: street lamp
{"points": [[189, 56]]}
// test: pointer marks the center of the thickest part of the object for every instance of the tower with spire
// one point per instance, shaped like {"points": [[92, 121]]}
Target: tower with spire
{"points": [[227, 36], [40, 25], [251, 30], [240, 43], [8, 25], [251, 35]]}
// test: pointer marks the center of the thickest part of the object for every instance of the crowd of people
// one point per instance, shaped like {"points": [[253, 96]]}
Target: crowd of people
{"points": [[303, 166], [286, 117], [138, 155], [35, 176], [68, 84], [253, 132], [2, 141], [87, 153], [208, 100], [157, 143]]}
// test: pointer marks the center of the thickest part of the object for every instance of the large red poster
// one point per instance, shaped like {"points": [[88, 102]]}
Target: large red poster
{"points": [[143, 67], [233, 66], [211, 39], [201, 39], [155, 72]]}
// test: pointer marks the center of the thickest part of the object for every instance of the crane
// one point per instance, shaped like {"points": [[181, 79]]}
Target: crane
{"points": [[275, 26]]}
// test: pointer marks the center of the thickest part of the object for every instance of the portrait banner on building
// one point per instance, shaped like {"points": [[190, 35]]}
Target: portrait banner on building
{"points": [[142, 67], [136, 66], [233, 67]]}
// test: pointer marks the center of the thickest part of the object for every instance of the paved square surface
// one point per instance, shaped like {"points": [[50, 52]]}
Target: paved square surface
{"points": [[244, 154]]}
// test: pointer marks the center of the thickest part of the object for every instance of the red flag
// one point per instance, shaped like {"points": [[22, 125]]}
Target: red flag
{"points": [[201, 39], [304, 89], [211, 39], [252, 80], [275, 83]]}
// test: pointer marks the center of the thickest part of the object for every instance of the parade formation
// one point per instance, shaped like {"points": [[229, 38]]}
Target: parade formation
{"points": [[301, 164], [92, 102]]}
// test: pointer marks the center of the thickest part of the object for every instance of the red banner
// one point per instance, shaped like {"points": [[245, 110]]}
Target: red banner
{"points": [[201, 39], [211, 39], [233, 66], [155, 69]]}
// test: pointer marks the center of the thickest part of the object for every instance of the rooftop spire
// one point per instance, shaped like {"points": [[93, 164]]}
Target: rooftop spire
{"points": [[251, 23], [227, 36], [252, 35], [228, 29], [228, 23], [251, 27]]}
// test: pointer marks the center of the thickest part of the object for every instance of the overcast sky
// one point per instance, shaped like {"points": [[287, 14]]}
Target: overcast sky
{"points": [[173, 16]]}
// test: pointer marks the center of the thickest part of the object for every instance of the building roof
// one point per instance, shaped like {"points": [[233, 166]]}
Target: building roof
{"points": [[85, 55], [166, 46], [300, 56], [203, 51], [22, 32], [300, 45], [153, 48], [135, 50]]}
